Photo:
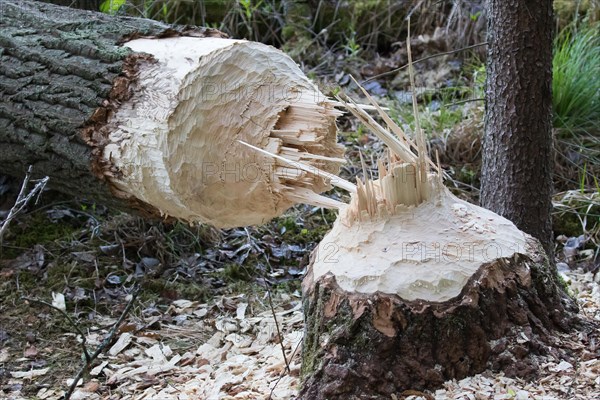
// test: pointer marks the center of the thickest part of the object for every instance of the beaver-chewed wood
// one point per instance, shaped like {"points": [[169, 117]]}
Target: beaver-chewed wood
{"points": [[414, 286], [139, 114]]}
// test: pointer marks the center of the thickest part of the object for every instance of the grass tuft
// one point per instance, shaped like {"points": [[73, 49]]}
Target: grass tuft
{"points": [[576, 70]]}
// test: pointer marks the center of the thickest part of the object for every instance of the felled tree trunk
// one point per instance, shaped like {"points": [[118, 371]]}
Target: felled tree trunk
{"points": [[141, 115], [413, 287]]}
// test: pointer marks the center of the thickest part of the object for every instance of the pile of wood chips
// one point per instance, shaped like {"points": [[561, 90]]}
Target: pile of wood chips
{"points": [[243, 358]]}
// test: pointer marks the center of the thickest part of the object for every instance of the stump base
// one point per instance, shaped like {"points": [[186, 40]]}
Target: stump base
{"points": [[374, 345]]}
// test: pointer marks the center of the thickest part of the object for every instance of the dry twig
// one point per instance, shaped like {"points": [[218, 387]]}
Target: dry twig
{"points": [[22, 199]]}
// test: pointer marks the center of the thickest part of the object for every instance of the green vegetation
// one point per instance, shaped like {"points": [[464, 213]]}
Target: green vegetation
{"points": [[437, 112], [35, 228], [577, 212], [576, 79], [111, 6]]}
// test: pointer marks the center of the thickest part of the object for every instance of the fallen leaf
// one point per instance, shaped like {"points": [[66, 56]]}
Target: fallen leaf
{"points": [[45, 393], [30, 352]]}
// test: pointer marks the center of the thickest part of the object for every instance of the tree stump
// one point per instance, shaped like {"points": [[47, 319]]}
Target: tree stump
{"points": [[414, 286]]}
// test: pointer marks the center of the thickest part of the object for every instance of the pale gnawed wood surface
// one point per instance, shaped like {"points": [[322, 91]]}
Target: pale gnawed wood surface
{"points": [[413, 286], [175, 142]]}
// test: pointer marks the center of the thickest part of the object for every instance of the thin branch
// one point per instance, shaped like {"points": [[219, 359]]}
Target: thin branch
{"points": [[445, 53], [283, 373], [456, 103], [279, 335], [88, 358], [287, 363], [107, 340], [23, 199], [111, 335]]}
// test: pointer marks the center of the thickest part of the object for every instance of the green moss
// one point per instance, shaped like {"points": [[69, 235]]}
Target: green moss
{"points": [[236, 272], [289, 286], [77, 275], [28, 280], [569, 222], [190, 291], [317, 327], [309, 231], [310, 345], [155, 289], [288, 32], [33, 229], [248, 288], [566, 224]]}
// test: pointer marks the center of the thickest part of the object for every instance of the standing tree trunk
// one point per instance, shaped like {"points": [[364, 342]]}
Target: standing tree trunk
{"points": [[517, 147], [139, 114]]}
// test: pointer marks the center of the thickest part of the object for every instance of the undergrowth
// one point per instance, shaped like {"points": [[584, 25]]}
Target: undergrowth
{"points": [[576, 79]]}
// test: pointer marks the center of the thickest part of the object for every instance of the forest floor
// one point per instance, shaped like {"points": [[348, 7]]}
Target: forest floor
{"points": [[219, 313], [203, 327]]}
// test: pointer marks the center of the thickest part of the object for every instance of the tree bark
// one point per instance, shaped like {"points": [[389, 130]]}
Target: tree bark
{"points": [[517, 147], [373, 346], [59, 71], [141, 115]]}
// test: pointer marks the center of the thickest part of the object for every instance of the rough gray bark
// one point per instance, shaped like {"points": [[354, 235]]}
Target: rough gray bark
{"points": [[62, 70], [517, 147]]}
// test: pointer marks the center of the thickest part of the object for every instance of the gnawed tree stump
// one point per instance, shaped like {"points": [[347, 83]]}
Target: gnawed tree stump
{"points": [[138, 114], [413, 287]]}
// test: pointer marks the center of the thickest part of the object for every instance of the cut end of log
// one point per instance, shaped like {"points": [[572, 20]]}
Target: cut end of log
{"points": [[175, 144]]}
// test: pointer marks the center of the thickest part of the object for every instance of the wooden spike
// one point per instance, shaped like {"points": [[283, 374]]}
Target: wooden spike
{"points": [[362, 196], [324, 158], [368, 193], [334, 179], [304, 195], [439, 167], [366, 107], [392, 142], [381, 169], [390, 123], [421, 148]]}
